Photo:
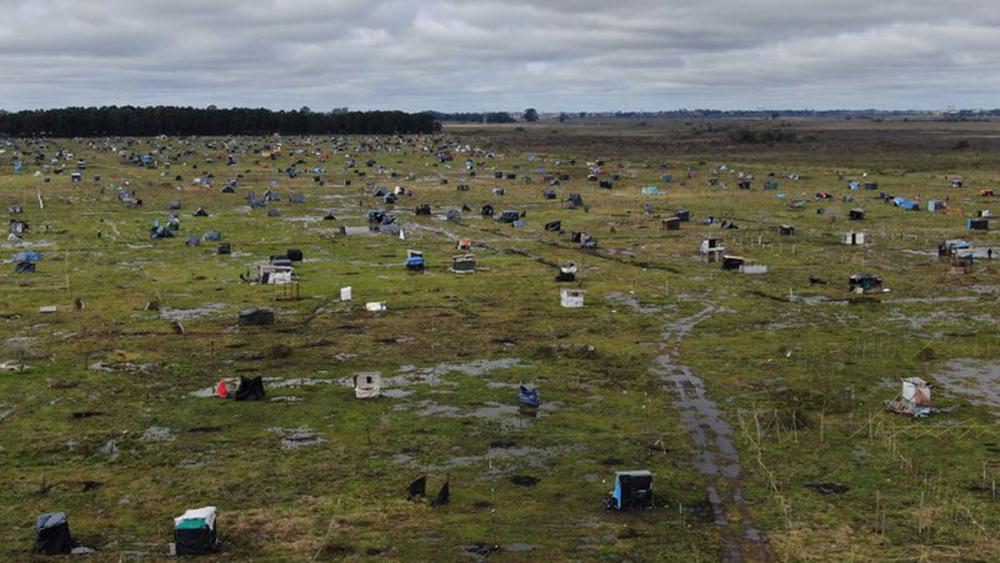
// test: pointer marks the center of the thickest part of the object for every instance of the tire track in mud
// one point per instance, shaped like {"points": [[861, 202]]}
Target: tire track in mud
{"points": [[717, 458]]}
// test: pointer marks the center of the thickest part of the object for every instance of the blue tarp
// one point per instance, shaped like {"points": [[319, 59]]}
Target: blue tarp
{"points": [[27, 256], [528, 396]]}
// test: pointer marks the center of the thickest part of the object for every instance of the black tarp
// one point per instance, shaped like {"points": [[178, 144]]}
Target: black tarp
{"points": [[443, 496], [198, 541], [52, 535], [417, 488], [250, 389], [256, 317], [294, 254], [553, 226]]}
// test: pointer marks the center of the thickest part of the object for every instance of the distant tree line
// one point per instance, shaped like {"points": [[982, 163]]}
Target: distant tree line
{"points": [[475, 117], [171, 120]]}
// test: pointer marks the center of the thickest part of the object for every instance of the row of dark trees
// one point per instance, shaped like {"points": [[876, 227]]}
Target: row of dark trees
{"points": [[170, 120], [475, 117]]}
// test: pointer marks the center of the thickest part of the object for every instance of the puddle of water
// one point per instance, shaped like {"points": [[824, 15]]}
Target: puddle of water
{"points": [[975, 380], [717, 458], [619, 298]]}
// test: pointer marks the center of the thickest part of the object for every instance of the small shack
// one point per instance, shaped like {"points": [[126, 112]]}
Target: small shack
{"points": [[52, 536], [195, 532], [633, 490], [979, 224], [866, 283], [567, 273], [463, 263], [571, 298], [368, 385], [414, 261], [856, 214], [672, 223], [853, 238]]}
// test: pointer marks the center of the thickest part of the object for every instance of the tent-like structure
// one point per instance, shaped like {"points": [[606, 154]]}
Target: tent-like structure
{"points": [[52, 535], [195, 532], [250, 389]]}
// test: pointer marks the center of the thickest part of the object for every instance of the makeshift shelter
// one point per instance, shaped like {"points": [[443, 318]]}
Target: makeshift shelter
{"points": [[853, 238], [225, 248], [549, 194], [571, 298], [633, 490], [52, 536], [672, 223], [914, 398], [200, 212], [294, 254], [256, 317], [953, 246], [710, 246], [274, 274], [553, 226], [936, 205], [24, 268], [528, 396], [509, 216], [856, 214], [978, 224], [417, 488], [250, 389], [786, 230], [212, 236], [731, 262], [683, 214], [487, 210], [567, 273], [463, 264], [367, 385], [174, 205], [865, 283], [414, 261], [575, 200], [423, 209], [443, 496], [195, 532]]}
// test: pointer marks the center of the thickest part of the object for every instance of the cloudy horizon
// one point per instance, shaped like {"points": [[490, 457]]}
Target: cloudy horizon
{"points": [[477, 55]]}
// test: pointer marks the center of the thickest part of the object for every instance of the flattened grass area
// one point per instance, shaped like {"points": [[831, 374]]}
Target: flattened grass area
{"points": [[800, 380]]}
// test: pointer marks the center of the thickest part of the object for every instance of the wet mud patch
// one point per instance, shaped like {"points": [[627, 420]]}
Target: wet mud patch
{"points": [[205, 310], [620, 299], [977, 381]]}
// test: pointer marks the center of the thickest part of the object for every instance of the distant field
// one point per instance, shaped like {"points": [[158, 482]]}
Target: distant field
{"points": [[756, 400]]}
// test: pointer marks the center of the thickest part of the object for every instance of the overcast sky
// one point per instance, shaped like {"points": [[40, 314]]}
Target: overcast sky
{"points": [[472, 55]]}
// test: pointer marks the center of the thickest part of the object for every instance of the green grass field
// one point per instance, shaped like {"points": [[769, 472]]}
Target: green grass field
{"points": [[106, 423]]}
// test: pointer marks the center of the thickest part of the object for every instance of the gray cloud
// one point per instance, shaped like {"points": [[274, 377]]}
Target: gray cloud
{"points": [[476, 55]]}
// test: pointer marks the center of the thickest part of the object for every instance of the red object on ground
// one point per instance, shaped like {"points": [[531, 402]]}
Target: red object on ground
{"points": [[222, 391]]}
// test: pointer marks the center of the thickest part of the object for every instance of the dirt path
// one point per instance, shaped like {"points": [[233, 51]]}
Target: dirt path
{"points": [[717, 458]]}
